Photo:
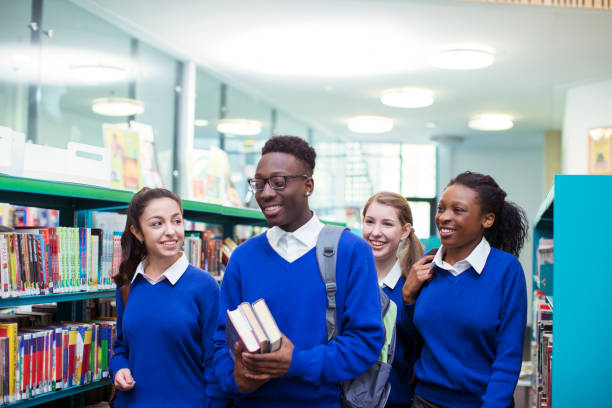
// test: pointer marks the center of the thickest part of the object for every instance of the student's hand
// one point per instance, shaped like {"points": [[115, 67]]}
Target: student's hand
{"points": [[275, 364], [420, 273], [245, 380], [124, 380]]}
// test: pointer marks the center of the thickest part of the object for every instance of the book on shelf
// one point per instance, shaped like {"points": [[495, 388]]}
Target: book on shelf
{"points": [[45, 260], [45, 358], [254, 326], [206, 252], [21, 216]]}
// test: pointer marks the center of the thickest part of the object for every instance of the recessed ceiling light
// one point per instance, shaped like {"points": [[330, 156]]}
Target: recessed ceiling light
{"points": [[463, 57], [117, 106], [98, 73], [240, 127], [431, 125], [491, 121], [200, 122], [370, 124], [408, 98]]}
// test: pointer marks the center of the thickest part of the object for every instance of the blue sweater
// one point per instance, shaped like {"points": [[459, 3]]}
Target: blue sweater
{"points": [[405, 351], [295, 294], [164, 336], [473, 327]]}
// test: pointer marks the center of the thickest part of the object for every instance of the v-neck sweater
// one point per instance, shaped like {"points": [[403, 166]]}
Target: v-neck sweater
{"points": [[164, 336], [295, 293], [473, 327]]}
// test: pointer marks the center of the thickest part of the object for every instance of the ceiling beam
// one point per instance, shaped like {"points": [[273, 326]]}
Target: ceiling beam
{"points": [[584, 4]]}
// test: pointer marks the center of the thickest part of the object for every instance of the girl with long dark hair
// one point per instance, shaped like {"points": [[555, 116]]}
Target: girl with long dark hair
{"points": [[469, 301], [166, 310]]}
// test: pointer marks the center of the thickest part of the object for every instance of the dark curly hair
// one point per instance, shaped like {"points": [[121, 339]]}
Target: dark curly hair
{"points": [[132, 250], [510, 227], [295, 146]]}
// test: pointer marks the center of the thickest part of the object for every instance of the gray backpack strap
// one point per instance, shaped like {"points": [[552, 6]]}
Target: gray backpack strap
{"points": [[327, 255]]}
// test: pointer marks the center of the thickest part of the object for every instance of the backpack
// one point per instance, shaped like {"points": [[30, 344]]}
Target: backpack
{"points": [[370, 389]]}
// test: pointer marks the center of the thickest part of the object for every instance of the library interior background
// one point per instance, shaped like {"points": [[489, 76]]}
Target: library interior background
{"points": [[99, 98]]}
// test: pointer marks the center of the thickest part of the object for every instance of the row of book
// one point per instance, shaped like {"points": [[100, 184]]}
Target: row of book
{"points": [[45, 260], [208, 253], [542, 344], [20, 216], [34, 361]]}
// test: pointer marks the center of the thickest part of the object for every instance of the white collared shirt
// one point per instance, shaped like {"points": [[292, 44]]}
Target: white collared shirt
{"points": [[292, 245], [476, 259], [392, 277], [173, 273]]}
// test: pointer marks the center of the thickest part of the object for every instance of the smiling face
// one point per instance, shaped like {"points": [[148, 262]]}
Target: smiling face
{"points": [[286, 208], [383, 230], [161, 229], [460, 220]]}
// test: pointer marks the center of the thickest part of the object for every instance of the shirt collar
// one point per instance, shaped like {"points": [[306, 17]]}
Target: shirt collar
{"points": [[392, 277], [476, 259], [173, 273], [306, 234]]}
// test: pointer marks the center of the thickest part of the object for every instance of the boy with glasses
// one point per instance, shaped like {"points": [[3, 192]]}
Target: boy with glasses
{"points": [[280, 266]]}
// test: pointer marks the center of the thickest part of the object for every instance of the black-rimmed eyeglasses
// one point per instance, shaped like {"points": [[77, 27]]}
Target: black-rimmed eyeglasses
{"points": [[275, 182]]}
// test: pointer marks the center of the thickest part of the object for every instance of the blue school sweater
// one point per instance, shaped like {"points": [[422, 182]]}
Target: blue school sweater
{"points": [[295, 294], [405, 351], [473, 327], [164, 336]]}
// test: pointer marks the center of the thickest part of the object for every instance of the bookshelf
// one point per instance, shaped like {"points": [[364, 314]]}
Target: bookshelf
{"points": [[55, 395], [576, 214], [76, 203]]}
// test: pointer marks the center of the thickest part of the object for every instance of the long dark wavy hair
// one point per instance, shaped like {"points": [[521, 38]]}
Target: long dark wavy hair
{"points": [[132, 250], [413, 250], [510, 227]]}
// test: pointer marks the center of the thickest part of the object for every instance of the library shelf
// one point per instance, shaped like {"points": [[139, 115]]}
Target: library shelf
{"points": [[58, 297], [576, 214], [55, 395]]}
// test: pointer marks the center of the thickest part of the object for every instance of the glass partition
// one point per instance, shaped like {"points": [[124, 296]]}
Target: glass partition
{"points": [[15, 64]]}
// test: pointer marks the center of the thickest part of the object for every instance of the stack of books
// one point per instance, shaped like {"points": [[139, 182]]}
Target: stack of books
{"points": [[253, 326]]}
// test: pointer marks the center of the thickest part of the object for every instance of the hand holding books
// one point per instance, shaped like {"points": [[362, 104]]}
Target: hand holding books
{"points": [[273, 365], [261, 352]]}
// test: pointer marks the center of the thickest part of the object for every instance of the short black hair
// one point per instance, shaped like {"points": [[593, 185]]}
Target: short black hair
{"points": [[295, 146]]}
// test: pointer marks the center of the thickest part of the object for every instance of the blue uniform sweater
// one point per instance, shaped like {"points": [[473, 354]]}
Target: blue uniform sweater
{"points": [[473, 327], [295, 294], [405, 351], [164, 336]]}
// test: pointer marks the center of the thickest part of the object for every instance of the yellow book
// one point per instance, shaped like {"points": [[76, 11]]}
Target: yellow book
{"points": [[13, 264], [10, 330], [72, 344]]}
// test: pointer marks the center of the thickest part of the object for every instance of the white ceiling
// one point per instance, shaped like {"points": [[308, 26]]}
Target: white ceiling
{"points": [[540, 51]]}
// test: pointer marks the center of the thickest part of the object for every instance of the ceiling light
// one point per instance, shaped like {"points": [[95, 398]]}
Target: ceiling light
{"points": [[118, 106], [241, 127], [463, 57], [431, 125], [370, 124], [98, 73], [491, 121], [408, 98], [320, 48], [200, 122]]}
